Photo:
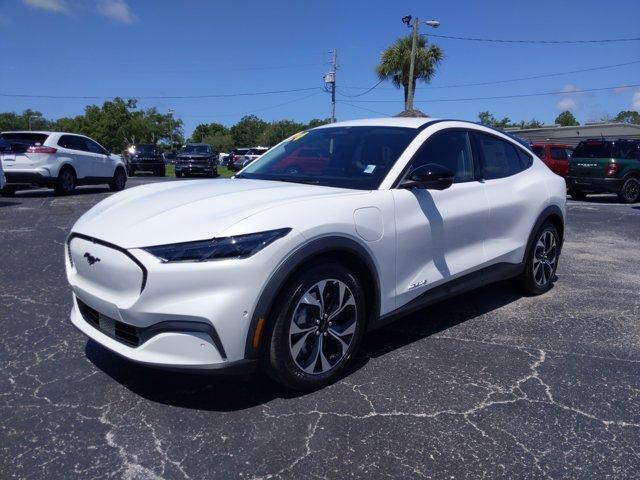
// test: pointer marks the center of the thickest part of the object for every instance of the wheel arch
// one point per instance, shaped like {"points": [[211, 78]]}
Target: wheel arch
{"points": [[344, 250], [68, 165], [553, 214]]}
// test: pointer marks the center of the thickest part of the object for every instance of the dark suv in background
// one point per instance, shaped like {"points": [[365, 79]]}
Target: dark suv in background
{"points": [[145, 157], [601, 166], [196, 158]]}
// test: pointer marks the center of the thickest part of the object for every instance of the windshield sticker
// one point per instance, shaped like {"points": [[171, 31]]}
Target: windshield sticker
{"points": [[298, 136], [369, 169]]}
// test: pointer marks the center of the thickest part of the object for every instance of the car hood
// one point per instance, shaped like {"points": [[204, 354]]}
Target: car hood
{"points": [[183, 211]]}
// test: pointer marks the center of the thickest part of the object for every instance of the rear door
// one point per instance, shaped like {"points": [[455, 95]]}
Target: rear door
{"points": [[512, 194], [559, 160], [74, 148], [102, 164]]}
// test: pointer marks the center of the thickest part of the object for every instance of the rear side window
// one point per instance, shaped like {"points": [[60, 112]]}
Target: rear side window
{"points": [[72, 142], [21, 141], [593, 149], [627, 150], [558, 153], [452, 150], [500, 158], [538, 150]]}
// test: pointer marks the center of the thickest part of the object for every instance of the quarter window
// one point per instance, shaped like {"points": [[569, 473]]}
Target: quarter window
{"points": [[501, 159], [452, 150]]}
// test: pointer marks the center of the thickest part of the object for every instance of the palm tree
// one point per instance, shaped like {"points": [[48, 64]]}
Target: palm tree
{"points": [[395, 61]]}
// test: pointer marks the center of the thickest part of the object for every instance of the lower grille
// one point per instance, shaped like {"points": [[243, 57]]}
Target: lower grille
{"points": [[127, 334]]}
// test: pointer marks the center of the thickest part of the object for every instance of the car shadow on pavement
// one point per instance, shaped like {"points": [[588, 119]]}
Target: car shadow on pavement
{"points": [[39, 193], [9, 204], [232, 393], [600, 199]]}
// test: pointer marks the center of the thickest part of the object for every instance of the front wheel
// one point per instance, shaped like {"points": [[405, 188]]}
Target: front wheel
{"points": [[630, 191], [318, 327], [8, 191], [119, 180], [542, 261]]}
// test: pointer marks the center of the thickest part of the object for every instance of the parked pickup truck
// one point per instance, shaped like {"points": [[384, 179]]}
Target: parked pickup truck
{"points": [[600, 166]]}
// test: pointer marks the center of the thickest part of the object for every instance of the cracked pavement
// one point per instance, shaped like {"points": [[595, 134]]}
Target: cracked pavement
{"points": [[489, 384]]}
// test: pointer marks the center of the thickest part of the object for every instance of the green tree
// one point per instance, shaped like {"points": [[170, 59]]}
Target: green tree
{"points": [[14, 121], [396, 59], [207, 130], [566, 119], [487, 118], [275, 132], [219, 141], [248, 131], [316, 122], [628, 116]]}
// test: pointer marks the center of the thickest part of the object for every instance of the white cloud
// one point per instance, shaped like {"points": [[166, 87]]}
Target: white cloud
{"points": [[51, 5], [635, 101], [117, 10], [569, 87], [566, 103]]}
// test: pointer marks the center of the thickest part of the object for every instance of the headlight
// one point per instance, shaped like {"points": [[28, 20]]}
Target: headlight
{"points": [[240, 246]]}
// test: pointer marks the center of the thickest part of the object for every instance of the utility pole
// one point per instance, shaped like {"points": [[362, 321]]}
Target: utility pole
{"points": [[414, 41], [330, 80]]}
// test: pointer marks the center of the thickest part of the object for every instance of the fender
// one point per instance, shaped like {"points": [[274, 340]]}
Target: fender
{"points": [[552, 209], [315, 247]]}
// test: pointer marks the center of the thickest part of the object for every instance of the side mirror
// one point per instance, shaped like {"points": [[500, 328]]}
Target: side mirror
{"points": [[431, 176]]}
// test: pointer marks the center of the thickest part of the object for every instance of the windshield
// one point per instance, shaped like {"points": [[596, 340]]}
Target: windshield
{"points": [[196, 149], [348, 157], [538, 150], [593, 149], [146, 148]]}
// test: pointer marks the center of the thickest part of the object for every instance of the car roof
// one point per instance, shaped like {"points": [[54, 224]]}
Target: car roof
{"points": [[384, 122]]}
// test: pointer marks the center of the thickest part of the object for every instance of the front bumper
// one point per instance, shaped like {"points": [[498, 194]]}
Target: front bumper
{"points": [[596, 185], [194, 167], [179, 316]]}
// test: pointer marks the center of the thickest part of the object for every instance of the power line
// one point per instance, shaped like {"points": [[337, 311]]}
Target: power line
{"points": [[510, 80], [363, 93], [156, 97], [554, 42], [507, 96], [363, 108]]}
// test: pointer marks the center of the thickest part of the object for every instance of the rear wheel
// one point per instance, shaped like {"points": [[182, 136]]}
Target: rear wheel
{"points": [[630, 191], [577, 194], [317, 328], [66, 182], [542, 261], [119, 180]]}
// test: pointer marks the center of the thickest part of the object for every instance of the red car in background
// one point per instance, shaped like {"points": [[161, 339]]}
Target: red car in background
{"points": [[555, 156], [309, 161]]}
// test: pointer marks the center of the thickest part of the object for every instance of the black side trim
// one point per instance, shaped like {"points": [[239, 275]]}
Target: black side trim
{"points": [[115, 247], [316, 247], [471, 281]]}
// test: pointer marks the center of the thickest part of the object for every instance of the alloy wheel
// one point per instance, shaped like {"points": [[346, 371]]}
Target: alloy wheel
{"points": [[631, 190], [323, 326], [545, 258]]}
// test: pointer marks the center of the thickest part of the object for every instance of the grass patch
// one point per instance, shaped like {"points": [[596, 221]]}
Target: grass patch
{"points": [[223, 172]]}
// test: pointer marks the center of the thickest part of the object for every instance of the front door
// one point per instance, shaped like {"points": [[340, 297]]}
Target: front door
{"points": [[440, 234]]}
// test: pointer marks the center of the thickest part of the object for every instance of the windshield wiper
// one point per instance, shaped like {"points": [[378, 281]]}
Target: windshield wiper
{"points": [[295, 180]]}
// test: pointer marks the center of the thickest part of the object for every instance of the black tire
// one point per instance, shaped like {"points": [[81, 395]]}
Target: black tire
{"points": [[320, 334], [65, 184], [8, 191], [630, 191], [119, 180], [577, 194], [542, 261]]}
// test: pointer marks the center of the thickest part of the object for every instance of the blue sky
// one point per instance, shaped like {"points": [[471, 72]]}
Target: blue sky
{"points": [[197, 47]]}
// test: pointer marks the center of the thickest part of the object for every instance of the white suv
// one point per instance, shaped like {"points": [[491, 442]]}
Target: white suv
{"points": [[59, 160], [286, 268]]}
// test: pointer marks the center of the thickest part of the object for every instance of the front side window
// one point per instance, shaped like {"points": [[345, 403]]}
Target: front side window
{"points": [[500, 158], [93, 147], [73, 142], [452, 150], [356, 157]]}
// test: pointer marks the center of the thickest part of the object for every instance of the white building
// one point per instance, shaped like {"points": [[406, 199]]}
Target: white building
{"points": [[573, 135]]}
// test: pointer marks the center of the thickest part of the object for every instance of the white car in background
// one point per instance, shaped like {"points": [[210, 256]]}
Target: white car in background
{"points": [[4, 147], [253, 154], [286, 271], [60, 161]]}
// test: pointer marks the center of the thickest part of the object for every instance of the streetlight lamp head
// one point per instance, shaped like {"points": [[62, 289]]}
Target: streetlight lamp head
{"points": [[407, 20], [433, 23]]}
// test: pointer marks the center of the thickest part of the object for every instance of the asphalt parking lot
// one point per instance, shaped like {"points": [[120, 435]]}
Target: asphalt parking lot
{"points": [[490, 384]]}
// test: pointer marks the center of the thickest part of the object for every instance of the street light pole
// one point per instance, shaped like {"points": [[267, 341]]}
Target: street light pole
{"points": [[414, 41]]}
